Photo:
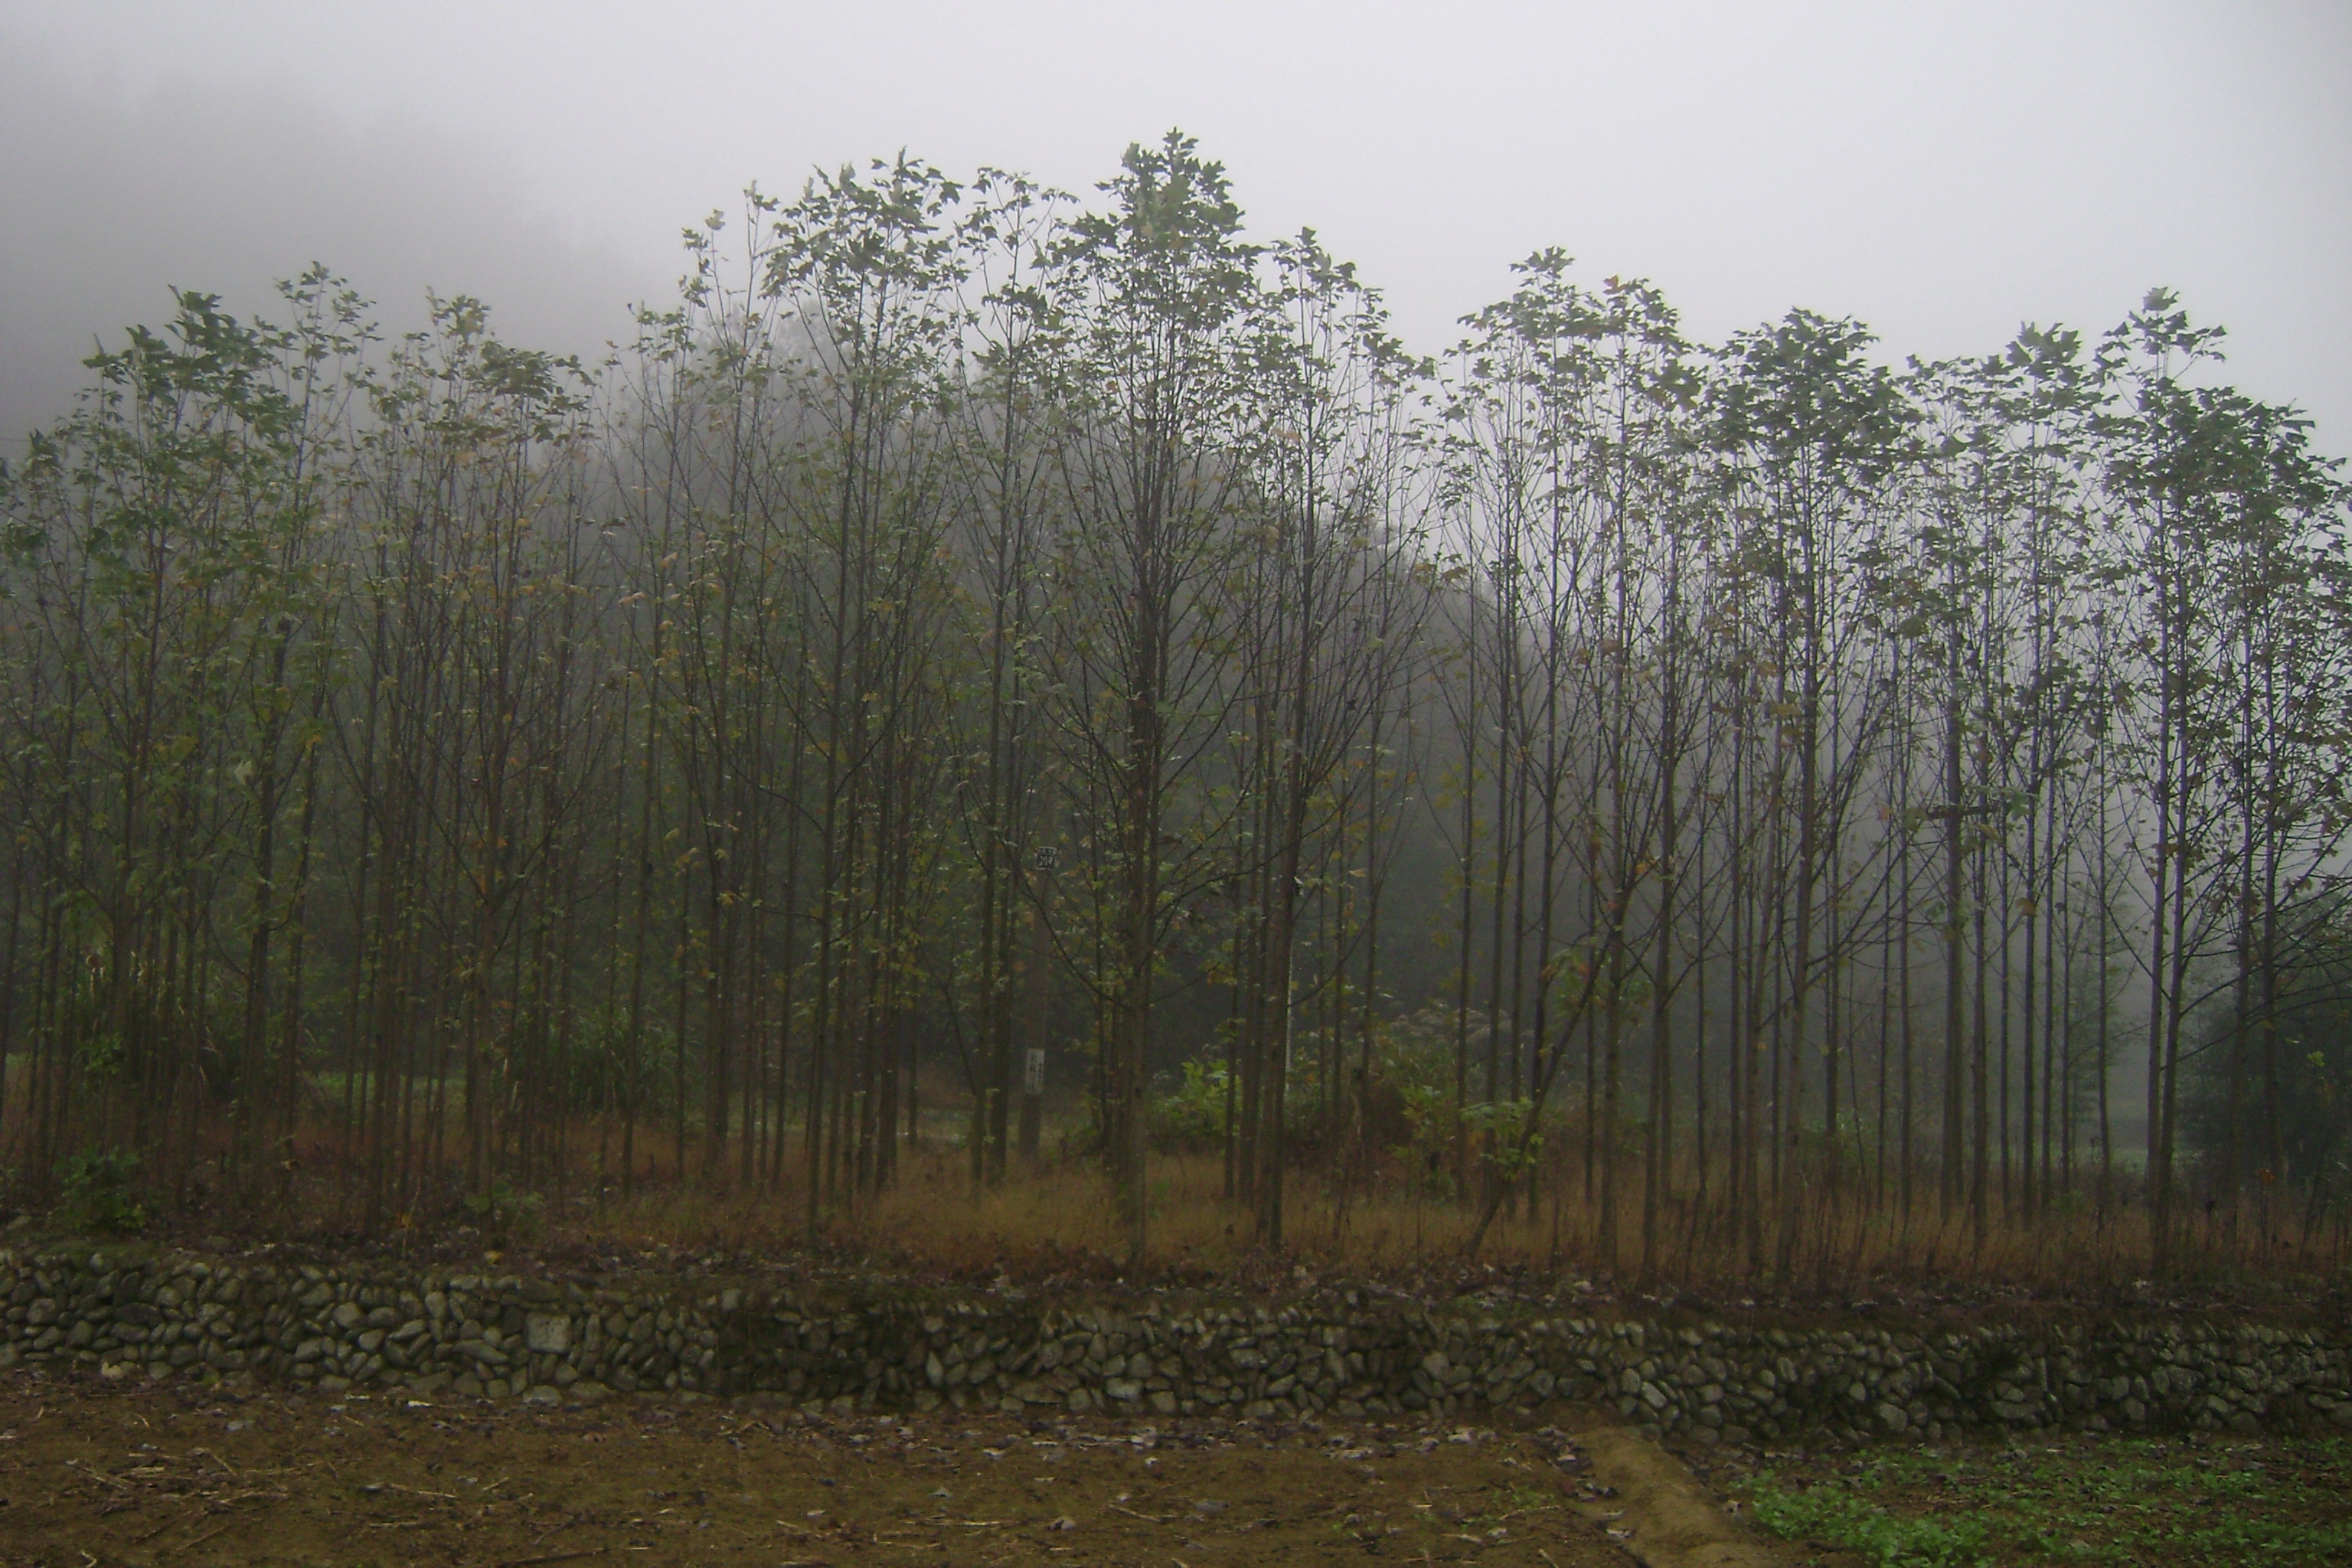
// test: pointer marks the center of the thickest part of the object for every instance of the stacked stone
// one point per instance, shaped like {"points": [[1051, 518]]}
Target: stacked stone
{"points": [[1343, 1353]]}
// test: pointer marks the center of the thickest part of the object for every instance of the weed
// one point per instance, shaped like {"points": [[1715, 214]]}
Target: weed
{"points": [[2115, 1502], [1834, 1516]]}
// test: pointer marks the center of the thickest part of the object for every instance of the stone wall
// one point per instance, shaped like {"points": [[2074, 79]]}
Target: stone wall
{"points": [[1346, 1353]]}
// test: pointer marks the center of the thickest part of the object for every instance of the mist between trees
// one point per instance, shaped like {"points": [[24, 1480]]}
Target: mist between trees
{"points": [[1058, 678]]}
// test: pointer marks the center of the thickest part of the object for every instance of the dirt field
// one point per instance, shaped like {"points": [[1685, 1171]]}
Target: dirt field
{"points": [[98, 1473]]}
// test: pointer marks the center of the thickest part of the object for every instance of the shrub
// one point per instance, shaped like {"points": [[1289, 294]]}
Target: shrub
{"points": [[505, 1208], [99, 1191], [1191, 1116]]}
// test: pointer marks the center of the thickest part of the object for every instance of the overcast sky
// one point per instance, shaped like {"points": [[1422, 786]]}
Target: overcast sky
{"points": [[1942, 173]]}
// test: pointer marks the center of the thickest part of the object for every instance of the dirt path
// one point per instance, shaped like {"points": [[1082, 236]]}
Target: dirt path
{"points": [[98, 1473], [1667, 1518]]}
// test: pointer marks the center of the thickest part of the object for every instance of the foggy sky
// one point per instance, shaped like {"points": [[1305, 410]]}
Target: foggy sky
{"points": [[1942, 173]]}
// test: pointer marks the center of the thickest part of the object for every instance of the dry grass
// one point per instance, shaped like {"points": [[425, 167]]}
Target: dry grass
{"points": [[1056, 1220]]}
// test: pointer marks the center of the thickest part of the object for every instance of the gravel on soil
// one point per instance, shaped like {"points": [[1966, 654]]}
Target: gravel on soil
{"points": [[132, 1472]]}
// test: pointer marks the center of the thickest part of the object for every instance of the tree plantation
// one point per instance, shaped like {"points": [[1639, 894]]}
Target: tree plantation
{"points": [[991, 693]]}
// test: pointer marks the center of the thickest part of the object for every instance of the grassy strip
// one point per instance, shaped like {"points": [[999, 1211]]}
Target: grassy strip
{"points": [[2121, 1501], [1829, 1515]]}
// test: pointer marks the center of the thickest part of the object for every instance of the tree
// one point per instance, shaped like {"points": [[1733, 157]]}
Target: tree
{"points": [[1153, 478]]}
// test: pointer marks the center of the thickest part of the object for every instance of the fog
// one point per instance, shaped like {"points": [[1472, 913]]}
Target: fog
{"points": [[226, 187], [1941, 175]]}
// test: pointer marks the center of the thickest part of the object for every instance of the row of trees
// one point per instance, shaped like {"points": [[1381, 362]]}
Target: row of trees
{"points": [[969, 624]]}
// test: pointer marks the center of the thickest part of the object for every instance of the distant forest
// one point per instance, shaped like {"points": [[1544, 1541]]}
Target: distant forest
{"points": [[1056, 674]]}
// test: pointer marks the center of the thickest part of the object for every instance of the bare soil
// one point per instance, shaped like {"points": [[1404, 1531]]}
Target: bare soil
{"points": [[94, 1472]]}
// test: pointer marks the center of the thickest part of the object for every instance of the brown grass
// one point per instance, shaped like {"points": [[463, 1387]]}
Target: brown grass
{"points": [[1059, 1219], [1056, 1219]]}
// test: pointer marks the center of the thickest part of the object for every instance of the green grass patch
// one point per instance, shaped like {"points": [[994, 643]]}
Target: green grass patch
{"points": [[2198, 1504], [1834, 1516]]}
